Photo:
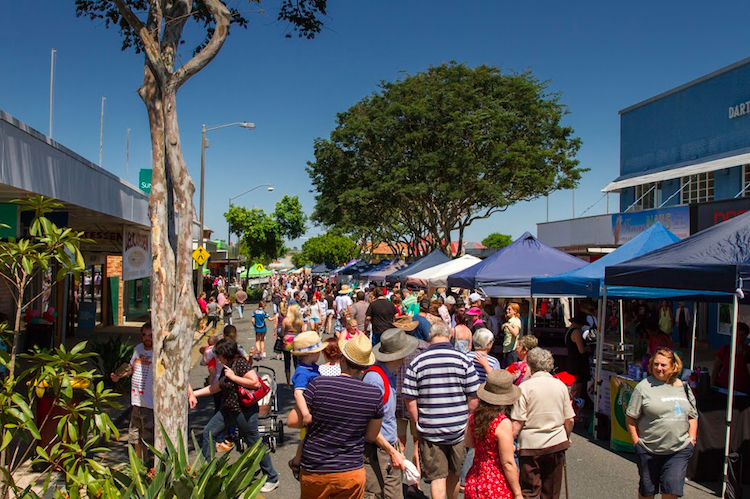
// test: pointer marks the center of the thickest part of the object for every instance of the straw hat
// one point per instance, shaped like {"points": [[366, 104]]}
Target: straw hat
{"points": [[406, 323], [345, 290], [499, 388], [307, 342], [394, 344], [358, 351]]}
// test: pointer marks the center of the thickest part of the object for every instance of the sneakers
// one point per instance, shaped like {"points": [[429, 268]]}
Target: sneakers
{"points": [[270, 486]]}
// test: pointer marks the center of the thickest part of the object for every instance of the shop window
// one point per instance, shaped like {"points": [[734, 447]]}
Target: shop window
{"points": [[746, 180], [698, 188], [645, 197]]}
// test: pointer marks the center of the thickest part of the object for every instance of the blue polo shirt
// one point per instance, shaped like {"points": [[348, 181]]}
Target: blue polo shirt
{"points": [[388, 428], [303, 374]]}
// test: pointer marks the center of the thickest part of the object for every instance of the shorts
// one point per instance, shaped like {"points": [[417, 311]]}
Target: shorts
{"points": [[260, 334], [314, 319], [440, 460], [401, 425], [662, 474], [141, 427], [347, 484]]}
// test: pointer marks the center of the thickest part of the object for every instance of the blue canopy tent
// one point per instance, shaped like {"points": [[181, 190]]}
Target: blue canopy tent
{"points": [[508, 272], [715, 260], [379, 273], [436, 257], [323, 268]]}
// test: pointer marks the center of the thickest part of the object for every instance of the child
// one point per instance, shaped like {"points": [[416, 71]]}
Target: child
{"points": [[305, 309], [306, 346], [231, 332], [215, 368], [228, 308], [259, 323]]}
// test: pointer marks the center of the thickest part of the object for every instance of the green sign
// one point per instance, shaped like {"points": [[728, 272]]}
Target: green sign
{"points": [[144, 180], [9, 217]]}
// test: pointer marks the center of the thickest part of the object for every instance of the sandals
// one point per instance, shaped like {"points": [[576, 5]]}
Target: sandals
{"points": [[295, 469]]}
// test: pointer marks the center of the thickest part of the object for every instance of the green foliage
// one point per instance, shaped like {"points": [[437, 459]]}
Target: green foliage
{"points": [[497, 240], [332, 248], [110, 355], [432, 152], [290, 217], [254, 294]]}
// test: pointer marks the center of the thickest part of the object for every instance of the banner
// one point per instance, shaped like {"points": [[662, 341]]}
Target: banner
{"points": [[626, 226], [136, 254], [620, 390], [710, 214]]}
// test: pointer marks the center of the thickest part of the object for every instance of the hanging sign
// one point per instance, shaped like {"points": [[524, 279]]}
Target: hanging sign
{"points": [[136, 254]]}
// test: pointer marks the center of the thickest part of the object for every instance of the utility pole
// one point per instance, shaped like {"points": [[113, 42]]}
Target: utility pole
{"points": [[53, 60], [127, 155], [101, 132]]}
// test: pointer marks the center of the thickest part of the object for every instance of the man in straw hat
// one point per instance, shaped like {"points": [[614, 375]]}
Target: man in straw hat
{"points": [[345, 411], [440, 391], [383, 461]]}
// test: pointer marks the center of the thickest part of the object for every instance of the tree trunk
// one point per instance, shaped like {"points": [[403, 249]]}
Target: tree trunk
{"points": [[460, 240]]}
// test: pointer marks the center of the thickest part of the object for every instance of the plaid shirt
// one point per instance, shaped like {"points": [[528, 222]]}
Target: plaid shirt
{"points": [[400, 373]]}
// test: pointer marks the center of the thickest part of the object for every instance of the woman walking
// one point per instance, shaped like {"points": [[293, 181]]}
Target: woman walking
{"points": [[512, 329], [291, 326], [663, 422], [494, 474]]}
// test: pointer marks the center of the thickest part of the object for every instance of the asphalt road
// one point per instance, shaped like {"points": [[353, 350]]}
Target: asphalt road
{"points": [[593, 470]]}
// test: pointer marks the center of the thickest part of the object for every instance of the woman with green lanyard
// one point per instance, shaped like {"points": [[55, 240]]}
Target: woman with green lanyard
{"points": [[512, 329]]}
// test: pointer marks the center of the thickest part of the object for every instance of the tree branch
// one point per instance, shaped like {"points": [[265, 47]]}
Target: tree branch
{"points": [[150, 45]]}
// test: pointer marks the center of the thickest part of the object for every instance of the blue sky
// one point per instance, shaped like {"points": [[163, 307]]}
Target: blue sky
{"points": [[602, 57]]}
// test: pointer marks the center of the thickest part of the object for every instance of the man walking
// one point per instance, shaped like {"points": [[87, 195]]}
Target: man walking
{"points": [[241, 297], [440, 391], [381, 313], [383, 460]]}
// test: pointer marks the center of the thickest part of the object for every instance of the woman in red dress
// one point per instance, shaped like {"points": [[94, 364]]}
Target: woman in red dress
{"points": [[494, 474]]}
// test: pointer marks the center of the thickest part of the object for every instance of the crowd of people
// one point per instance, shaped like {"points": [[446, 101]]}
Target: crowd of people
{"points": [[481, 400]]}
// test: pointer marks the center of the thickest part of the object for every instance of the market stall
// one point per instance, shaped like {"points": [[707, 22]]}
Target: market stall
{"points": [[437, 276], [384, 269], [436, 257]]}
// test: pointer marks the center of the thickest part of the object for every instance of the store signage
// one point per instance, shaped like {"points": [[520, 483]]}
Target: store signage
{"points": [[710, 214], [739, 110], [626, 226], [144, 180], [103, 241], [136, 254]]}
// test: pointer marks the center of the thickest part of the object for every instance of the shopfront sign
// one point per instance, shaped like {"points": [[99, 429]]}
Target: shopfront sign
{"points": [[710, 214], [626, 226], [136, 254], [109, 242], [739, 110], [144, 180]]}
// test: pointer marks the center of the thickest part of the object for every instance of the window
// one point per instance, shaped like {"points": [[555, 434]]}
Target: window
{"points": [[698, 188], [745, 180], [645, 197]]}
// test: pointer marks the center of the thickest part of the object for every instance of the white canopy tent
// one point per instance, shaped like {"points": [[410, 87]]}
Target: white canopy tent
{"points": [[437, 277]]}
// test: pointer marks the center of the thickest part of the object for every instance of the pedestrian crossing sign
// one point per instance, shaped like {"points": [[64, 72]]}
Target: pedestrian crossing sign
{"points": [[259, 268], [200, 255]]}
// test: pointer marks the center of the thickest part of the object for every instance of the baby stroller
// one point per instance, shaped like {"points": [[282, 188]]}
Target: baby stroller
{"points": [[270, 427]]}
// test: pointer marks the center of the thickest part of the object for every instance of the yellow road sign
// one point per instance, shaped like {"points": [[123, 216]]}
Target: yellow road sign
{"points": [[259, 267], [200, 255]]}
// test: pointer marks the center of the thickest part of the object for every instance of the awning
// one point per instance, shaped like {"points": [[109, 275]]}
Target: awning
{"points": [[677, 171]]}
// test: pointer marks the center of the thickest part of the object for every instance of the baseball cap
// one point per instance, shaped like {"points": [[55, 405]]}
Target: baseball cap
{"points": [[475, 297], [450, 301]]}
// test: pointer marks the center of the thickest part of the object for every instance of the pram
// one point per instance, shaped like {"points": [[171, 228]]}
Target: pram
{"points": [[271, 429]]}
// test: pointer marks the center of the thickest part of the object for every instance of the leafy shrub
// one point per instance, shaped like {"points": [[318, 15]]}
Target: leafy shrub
{"points": [[109, 356]]}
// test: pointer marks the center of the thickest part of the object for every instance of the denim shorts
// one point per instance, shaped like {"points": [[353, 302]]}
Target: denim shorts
{"points": [[662, 474]]}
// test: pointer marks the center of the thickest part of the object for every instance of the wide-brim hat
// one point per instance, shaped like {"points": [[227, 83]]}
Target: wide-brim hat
{"points": [[394, 344], [358, 351], [499, 388], [306, 343], [345, 290], [406, 323]]}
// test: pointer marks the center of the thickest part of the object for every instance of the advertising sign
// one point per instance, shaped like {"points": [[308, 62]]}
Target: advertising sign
{"points": [[620, 391], [626, 226], [110, 242], [136, 254], [144, 180], [710, 214]]}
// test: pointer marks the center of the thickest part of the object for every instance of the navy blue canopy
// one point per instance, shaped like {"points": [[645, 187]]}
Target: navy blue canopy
{"points": [[508, 272], [358, 268], [589, 280], [386, 268], [323, 268], [435, 258], [716, 259]]}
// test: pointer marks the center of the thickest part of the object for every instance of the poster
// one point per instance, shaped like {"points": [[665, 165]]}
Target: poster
{"points": [[136, 254], [626, 226], [620, 391]]}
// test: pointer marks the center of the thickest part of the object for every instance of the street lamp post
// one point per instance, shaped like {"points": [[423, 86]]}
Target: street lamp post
{"points": [[242, 124], [229, 229]]}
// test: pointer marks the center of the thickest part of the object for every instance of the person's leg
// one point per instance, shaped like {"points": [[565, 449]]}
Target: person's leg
{"points": [[531, 481], [287, 365], [438, 488], [241, 310], [551, 468], [456, 456], [452, 485], [262, 350], [672, 479], [467, 464], [135, 431], [373, 476], [247, 424], [213, 428], [257, 342]]}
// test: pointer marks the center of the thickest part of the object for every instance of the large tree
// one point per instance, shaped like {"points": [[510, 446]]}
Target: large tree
{"points": [[155, 28], [429, 154], [330, 248], [497, 240]]}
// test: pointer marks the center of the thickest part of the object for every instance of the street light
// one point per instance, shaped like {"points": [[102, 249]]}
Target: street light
{"points": [[229, 230], [204, 144]]}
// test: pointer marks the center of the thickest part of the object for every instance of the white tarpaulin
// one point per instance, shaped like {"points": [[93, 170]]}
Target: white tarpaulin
{"points": [[136, 254], [437, 277]]}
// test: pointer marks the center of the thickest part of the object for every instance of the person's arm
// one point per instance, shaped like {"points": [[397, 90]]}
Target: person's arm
{"points": [[294, 419], [411, 409], [249, 380], [114, 377], [507, 449], [397, 459], [517, 427], [469, 435], [299, 399], [373, 429], [577, 338], [632, 423], [207, 390], [569, 423], [515, 330], [693, 430], [473, 403], [483, 361], [192, 400]]}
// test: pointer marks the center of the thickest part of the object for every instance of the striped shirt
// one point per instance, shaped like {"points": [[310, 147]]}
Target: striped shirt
{"points": [[341, 409], [441, 379], [481, 373]]}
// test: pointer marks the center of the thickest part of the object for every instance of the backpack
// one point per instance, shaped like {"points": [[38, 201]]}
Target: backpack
{"points": [[386, 382]]}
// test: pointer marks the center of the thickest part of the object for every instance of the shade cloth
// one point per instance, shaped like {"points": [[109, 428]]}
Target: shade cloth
{"points": [[437, 276], [251, 272], [379, 273], [508, 272], [435, 258]]}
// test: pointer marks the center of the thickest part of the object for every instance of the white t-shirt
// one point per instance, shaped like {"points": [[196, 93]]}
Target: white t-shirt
{"points": [[342, 302], [141, 381], [315, 311]]}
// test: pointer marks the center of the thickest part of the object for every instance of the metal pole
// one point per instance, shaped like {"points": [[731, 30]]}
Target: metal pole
{"points": [[547, 198], [599, 350], [574, 203], [101, 132], [229, 239], [203, 186], [692, 344], [127, 155], [730, 395], [608, 203], [622, 325], [53, 60]]}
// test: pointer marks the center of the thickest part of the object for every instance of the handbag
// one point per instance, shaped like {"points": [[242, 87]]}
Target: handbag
{"points": [[249, 398]]}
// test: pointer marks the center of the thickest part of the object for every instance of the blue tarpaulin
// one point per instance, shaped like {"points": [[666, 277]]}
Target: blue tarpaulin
{"points": [[435, 258], [508, 272]]}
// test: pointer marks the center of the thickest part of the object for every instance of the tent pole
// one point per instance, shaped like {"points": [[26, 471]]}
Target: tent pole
{"points": [[622, 324], [692, 341], [599, 350], [730, 395]]}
